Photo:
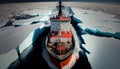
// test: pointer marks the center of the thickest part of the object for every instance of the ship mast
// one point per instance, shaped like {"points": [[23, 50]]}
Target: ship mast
{"points": [[59, 14], [60, 8]]}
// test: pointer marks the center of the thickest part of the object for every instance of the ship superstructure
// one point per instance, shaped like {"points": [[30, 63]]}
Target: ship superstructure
{"points": [[60, 43]]}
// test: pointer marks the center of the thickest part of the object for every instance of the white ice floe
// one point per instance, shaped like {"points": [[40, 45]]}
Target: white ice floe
{"points": [[10, 38], [7, 58], [97, 20], [31, 38], [26, 21], [104, 52], [31, 20]]}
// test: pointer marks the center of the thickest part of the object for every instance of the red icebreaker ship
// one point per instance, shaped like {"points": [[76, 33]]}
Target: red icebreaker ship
{"points": [[59, 42]]}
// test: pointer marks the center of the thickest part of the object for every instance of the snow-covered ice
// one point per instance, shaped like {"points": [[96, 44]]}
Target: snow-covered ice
{"points": [[104, 51], [97, 20]]}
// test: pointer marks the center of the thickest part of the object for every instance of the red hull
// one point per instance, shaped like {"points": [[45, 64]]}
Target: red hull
{"points": [[59, 45], [60, 64]]}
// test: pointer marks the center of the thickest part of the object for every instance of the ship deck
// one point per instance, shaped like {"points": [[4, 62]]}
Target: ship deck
{"points": [[60, 57], [77, 43], [74, 48]]}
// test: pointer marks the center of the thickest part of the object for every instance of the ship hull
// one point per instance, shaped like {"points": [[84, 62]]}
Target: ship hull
{"points": [[60, 63], [60, 42]]}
